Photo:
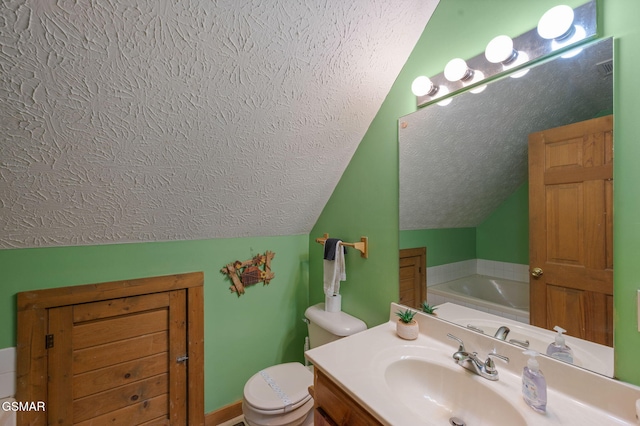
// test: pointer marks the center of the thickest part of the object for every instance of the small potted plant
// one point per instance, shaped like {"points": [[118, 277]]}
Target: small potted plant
{"points": [[428, 309], [407, 327]]}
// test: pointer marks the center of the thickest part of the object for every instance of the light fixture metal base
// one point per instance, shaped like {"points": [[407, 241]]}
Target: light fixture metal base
{"points": [[530, 42]]}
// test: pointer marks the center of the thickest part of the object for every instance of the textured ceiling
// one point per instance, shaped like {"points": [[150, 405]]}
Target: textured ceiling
{"points": [[154, 120], [459, 162]]}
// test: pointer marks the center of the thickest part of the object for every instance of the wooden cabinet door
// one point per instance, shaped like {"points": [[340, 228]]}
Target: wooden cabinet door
{"points": [[118, 361], [320, 418], [571, 223], [334, 407]]}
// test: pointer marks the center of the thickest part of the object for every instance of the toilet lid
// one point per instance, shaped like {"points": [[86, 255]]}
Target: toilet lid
{"points": [[282, 387]]}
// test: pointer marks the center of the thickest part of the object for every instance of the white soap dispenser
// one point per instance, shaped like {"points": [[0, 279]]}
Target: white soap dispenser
{"points": [[534, 385], [558, 349]]}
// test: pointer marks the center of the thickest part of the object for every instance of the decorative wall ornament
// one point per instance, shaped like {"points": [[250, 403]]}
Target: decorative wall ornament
{"points": [[248, 273]]}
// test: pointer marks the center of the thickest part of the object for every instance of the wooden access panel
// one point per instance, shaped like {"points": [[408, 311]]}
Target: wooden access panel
{"points": [[413, 281], [135, 359], [571, 223]]}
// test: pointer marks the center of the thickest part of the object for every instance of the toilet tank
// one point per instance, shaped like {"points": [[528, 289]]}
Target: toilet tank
{"points": [[325, 327]]}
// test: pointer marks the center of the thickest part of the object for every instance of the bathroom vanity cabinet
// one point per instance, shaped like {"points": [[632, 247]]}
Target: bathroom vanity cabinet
{"points": [[333, 406]]}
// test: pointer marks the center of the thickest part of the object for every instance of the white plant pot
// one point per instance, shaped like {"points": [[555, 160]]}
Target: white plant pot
{"points": [[408, 331]]}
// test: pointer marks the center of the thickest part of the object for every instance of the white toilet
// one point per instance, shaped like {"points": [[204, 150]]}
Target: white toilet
{"points": [[279, 395]]}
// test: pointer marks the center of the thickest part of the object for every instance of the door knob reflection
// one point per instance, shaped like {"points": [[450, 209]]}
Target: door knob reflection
{"points": [[536, 272]]}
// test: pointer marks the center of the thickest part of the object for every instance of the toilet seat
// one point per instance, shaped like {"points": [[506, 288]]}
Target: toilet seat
{"points": [[278, 389]]}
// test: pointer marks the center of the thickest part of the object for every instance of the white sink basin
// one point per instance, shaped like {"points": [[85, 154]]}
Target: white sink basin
{"points": [[435, 393]]}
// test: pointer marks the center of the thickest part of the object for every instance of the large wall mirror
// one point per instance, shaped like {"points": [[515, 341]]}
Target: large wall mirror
{"points": [[462, 162]]}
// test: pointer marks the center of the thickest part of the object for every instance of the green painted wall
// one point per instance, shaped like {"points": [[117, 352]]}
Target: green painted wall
{"points": [[366, 199], [443, 245], [242, 334], [620, 20], [504, 235], [363, 205]]}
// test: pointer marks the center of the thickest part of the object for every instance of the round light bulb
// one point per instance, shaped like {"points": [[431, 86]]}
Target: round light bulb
{"points": [[456, 70], [422, 86], [571, 53], [444, 91], [477, 76], [478, 89], [522, 58], [579, 33], [500, 49], [556, 22]]}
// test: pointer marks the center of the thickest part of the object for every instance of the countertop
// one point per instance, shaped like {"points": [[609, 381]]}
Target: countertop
{"points": [[575, 396]]}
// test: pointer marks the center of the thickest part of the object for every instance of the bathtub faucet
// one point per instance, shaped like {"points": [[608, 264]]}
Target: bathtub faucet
{"points": [[502, 333], [471, 362]]}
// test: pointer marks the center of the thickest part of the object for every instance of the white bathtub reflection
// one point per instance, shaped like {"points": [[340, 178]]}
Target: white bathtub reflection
{"points": [[499, 296]]}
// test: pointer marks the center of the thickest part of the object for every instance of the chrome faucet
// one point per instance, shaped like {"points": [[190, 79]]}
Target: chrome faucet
{"points": [[502, 333], [471, 362], [523, 343]]}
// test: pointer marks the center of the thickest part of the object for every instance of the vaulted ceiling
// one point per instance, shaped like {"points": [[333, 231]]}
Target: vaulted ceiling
{"points": [[155, 120]]}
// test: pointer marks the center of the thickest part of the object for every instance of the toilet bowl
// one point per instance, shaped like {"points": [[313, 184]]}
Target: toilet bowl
{"points": [[279, 395]]}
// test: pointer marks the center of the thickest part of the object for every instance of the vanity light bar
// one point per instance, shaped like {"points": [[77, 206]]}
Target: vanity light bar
{"points": [[529, 44]]}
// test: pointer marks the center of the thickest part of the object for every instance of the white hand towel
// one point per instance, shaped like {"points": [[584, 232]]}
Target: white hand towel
{"points": [[334, 272]]}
